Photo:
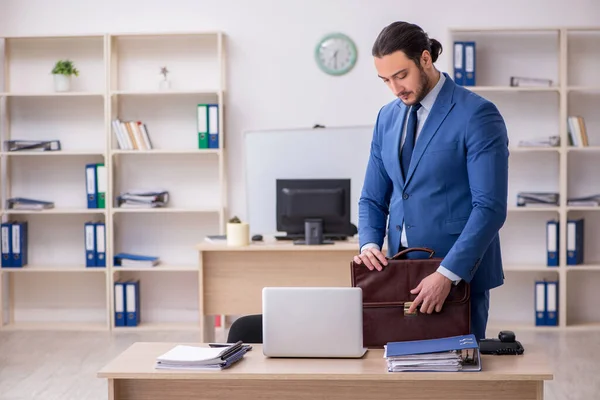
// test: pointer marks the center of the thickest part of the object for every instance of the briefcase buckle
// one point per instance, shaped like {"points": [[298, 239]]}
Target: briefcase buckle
{"points": [[407, 307]]}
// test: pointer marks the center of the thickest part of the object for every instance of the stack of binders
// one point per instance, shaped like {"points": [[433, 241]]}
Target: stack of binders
{"points": [[143, 199], [96, 185], [465, 63], [193, 357], [14, 244], [208, 126], [127, 303], [454, 354], [546, 303], [95, 244], [22, 203]]}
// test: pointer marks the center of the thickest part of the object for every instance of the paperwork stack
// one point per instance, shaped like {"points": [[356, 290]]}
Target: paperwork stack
{"points": [[135, 260], [193, 357], [143, 199], [454, 354], [22, 203], [537, 199]]}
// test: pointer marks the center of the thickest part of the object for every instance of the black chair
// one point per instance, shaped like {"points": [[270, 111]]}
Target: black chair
{"points": [[248, 329]]}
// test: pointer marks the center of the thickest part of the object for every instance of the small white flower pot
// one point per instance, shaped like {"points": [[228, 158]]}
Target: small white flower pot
{"points": [[62, 83], [238, 234]]}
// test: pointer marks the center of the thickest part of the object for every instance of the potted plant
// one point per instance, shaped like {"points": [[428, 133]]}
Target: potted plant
{"points": [[62, 71], [164, 83], [238, 232]]}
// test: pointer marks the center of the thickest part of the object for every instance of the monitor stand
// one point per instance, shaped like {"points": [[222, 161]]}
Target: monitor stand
{"points": [[313, 232]]}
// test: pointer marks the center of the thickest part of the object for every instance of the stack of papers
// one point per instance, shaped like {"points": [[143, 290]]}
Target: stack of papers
{"points": [[143, 199], [135, 260], [193, 357], [21, 203], [457, 353], [537, 199], [586, 201]]}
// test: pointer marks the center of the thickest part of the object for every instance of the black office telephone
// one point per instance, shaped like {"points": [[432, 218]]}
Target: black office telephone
{"points": [[505, 344]]}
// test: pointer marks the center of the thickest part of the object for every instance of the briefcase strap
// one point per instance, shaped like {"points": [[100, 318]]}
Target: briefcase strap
{"points": [[411, 249]]}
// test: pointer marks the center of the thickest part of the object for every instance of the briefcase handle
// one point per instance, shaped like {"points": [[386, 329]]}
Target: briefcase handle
{"points": [[411, 249]]}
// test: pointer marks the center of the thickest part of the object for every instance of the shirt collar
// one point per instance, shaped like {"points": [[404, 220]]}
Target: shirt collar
{"points": [[429, 100]]}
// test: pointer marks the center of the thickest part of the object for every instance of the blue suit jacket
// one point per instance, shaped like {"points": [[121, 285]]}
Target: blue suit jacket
{"points": [[454, 197]]}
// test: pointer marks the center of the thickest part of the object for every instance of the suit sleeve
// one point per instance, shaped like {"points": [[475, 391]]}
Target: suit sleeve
{"points": [[373, 205], [487, 168]]}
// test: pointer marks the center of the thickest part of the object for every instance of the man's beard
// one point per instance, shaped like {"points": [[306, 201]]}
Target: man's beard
{"points": [[423, 86]]}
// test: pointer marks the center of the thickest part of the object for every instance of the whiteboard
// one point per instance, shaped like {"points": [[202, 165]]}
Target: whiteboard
{"points": [[340, 152]]}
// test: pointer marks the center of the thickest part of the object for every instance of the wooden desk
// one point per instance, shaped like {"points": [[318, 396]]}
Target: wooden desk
{"points": [[132, 376], [232, 278]]}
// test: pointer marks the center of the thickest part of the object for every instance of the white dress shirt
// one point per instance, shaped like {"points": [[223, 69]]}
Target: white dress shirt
{"points": [[422, 114]]}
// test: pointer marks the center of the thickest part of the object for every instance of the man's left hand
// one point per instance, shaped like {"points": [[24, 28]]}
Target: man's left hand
{"points": [[432, 292]]}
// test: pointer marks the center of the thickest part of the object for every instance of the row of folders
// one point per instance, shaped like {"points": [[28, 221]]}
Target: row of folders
{"points": [[575, 241], [546, 303], [127, 302], [15, 244]]}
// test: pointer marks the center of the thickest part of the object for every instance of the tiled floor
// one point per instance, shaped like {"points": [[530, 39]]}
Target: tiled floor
{"points": [[63, 365]]}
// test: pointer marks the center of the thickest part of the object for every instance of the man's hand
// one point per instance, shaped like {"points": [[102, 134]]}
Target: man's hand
{"points": [[372, 258], [432, 292]]}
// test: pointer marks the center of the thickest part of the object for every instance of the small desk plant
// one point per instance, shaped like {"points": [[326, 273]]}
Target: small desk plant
{"points": [[238, 232], [164, 83], [62, 71]]}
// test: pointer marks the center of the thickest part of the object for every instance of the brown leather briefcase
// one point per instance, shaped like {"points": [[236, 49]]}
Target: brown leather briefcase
{"points": [[387, 299]]}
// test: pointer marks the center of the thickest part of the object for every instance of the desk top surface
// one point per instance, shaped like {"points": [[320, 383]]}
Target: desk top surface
{"points": [[138, 362], [270, 244]]}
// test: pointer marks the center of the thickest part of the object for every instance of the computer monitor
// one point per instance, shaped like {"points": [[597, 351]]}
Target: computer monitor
{"points": [[325, 203]]}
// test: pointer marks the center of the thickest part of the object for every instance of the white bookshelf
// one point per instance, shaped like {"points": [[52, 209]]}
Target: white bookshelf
{"points": [[119, 78], [570, 57]]}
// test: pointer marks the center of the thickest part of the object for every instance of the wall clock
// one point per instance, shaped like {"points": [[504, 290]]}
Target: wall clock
{"points": [[336, 54]]}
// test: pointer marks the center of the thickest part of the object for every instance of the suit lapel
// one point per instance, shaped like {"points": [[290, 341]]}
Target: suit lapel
{"points": [[442, 106]]}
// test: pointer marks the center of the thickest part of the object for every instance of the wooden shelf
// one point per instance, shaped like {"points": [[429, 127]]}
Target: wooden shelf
{"points": [[30, 269], [161, 210], [60, 153], [160, 326], [59, 211], [159, 268], [119, 79], [56, 326], [168, 152], [51, 94], [512, 89]]}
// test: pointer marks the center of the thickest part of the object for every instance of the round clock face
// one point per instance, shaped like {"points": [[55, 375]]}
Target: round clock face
{"points": [[336, 54]]}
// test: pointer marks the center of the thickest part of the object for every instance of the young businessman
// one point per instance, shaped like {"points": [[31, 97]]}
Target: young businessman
{"points": [[438, 168]]}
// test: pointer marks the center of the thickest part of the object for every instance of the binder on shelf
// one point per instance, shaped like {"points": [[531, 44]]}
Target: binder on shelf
{"points": [[575, 239], [540, 303], [101, 185], [91, 185], [552, 239], [552, 303], [90, 244], [213, 126], [470, 63], [202, 116], [19, 244], [100, 244], [459, 69], [120, 303], [6, 244], [132, 302]]}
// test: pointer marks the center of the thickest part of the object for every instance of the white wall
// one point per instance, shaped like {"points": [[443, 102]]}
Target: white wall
{"points": [[273, 80]]}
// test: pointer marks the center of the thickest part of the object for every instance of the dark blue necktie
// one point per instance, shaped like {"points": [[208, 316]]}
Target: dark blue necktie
{"points": [[409, 141]]}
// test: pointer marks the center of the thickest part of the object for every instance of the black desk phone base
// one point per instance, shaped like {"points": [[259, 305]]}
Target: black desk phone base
{"points": [[505, 344]]}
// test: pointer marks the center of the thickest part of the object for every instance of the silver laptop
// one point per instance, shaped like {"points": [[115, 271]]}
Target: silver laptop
{"points": [[312, 322]]}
